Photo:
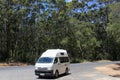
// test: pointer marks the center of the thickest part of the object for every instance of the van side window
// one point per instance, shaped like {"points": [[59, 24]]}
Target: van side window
{"points": [[64, 59], [56, 60]]}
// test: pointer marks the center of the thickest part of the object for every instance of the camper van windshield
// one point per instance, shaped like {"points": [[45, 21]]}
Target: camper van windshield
{"points": [[45, 60]]}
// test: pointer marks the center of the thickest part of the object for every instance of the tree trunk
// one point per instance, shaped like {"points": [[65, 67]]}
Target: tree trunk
{"points": [[8, 40]]}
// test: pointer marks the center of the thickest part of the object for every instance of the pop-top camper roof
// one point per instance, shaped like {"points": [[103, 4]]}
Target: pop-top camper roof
{"points": [[55, 53]]}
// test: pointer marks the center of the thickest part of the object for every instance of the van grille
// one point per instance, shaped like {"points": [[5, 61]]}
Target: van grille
{"points": [[42, 69]]}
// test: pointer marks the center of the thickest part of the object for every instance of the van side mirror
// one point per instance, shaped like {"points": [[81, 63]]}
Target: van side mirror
{"points": [[55, 62]]}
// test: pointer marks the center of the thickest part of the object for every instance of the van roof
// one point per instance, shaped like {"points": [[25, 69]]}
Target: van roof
{"points": [[54, 53]]}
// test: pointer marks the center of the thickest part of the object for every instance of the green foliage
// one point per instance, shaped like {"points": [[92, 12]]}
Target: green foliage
{"points": [[113, 32], [29, 27]]}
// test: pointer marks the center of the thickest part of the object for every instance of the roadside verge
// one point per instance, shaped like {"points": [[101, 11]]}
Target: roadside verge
{"points": [[13, 64], [111, 69]]}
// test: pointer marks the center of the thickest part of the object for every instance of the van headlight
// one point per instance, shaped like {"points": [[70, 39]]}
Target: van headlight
{"points": [[36, 68], [49, 68]]}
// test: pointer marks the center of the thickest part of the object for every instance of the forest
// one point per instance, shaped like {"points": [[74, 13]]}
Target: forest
{"points": [[87, 29]]}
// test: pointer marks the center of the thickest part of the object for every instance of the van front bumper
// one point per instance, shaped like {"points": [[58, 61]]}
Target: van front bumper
{"points": [[44, 73]]}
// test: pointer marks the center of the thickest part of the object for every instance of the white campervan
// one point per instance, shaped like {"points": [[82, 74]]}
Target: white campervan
{"points": [[52, 62]]}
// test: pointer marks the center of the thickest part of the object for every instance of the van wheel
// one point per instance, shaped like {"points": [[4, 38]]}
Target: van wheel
{"points": [[66, 71], [56, 74]]}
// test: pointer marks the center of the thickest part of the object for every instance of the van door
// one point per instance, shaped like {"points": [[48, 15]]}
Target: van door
{"points": [[57, 65], [62, 64]]}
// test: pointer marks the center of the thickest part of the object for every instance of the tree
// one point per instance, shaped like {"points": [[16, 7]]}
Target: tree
{"points": [[113, 32]]}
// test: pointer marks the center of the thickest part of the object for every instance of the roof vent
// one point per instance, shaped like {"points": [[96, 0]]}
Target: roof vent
{"points": [[62, 53]]}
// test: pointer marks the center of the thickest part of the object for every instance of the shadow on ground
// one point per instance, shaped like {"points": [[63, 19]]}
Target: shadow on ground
{"points": [[116, 69], [63, 75]]}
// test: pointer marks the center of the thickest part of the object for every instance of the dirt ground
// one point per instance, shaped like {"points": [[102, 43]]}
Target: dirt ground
{"points": [[111, 70]]}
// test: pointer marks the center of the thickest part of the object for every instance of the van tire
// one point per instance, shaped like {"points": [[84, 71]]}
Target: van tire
{"points": [[56, 75], [66, 71]]}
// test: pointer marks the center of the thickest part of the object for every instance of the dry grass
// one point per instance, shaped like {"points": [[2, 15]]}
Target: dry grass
{"points": [[111, 70], [103, 61], [13, 64]]}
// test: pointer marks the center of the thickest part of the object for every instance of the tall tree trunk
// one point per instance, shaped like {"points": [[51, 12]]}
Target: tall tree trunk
{"points": [[8, 24], [8, 40]]}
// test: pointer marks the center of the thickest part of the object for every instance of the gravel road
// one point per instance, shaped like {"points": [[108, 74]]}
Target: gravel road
{"points": [[82, 71]]}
